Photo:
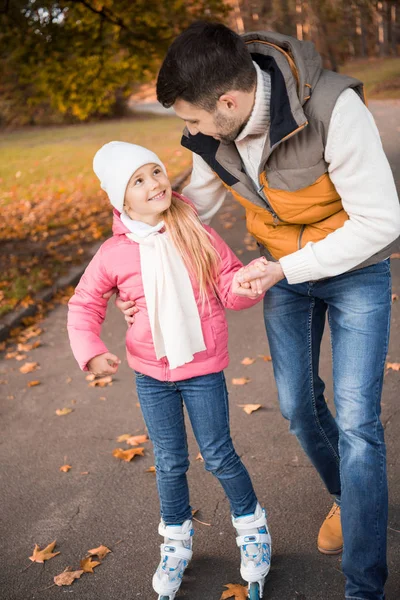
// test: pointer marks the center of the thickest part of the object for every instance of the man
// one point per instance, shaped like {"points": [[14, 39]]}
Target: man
{"points": [[297, 147]]}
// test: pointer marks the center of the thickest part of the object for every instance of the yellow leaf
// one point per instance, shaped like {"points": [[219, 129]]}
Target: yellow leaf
{"points": [[67, 577], [87, 564], [63, 411], [135, 440], [20, 357], [235, 591], [65, 468], [102, 382], [248, 361], [199, 457], [123, 437], [40, 556], [394, 297], [249, 408], [33, 383], [127, 455], [101, 552], [240, 380], [151, 470], [393, 366], [29, 367]]}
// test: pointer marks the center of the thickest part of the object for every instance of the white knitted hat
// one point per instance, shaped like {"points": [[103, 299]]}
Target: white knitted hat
{"points": [[115, 163]]}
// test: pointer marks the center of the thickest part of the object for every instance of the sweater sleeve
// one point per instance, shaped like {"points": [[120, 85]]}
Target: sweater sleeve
{"points": [[87, 310], [362, 176], [205, 190], [230, 264]]}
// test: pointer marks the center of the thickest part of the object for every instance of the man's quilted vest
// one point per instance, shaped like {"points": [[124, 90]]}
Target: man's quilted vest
{"points": [[296, 201]]}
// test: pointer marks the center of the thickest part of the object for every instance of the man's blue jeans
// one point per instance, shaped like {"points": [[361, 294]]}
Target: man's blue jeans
{"points": [[206, 401], [348, 452]]}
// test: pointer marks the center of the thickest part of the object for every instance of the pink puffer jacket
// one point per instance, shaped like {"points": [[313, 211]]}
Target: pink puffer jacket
{"points": [[117, 265]]}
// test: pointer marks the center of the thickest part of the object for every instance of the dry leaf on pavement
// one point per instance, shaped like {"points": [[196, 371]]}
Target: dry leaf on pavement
{"points": [[250, 408], [393, 366], [135, 440], [123, 437], [101, 551], [29, 367], [394, 297], [194, 511], [102, 382], [28, 347], [151, 470], [235, 591], [199, 457], [265, 357], [40, 556], [395, 255], [88, 564], [240, 380], [67, 577], [63, 411], [65, 468], [248, 361], [33, 383], [127, 455], [90, 377]]}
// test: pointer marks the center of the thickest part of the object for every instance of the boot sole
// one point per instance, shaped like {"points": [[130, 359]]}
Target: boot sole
{"points": [[335, 551]]}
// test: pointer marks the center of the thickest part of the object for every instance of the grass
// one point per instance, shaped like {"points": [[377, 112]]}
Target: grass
{"points": [[381, 76], [51, 203]]}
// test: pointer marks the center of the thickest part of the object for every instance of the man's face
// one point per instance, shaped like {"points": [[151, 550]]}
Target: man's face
{"points": [[223, 124]]}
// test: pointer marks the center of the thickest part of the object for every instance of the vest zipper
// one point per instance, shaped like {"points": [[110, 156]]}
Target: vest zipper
{"points": [[301, 235], [269, 207]]}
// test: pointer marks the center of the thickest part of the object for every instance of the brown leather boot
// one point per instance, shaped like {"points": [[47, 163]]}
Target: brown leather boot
{"points": [[330, 538]]}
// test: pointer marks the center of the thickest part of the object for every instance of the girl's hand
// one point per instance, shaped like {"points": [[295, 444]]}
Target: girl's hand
{"points": [[104, 364], [249, 290], [127, 308]]}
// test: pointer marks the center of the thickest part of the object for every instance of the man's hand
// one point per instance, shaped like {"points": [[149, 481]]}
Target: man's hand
{"points": [[268, 273], [128, 308], [104, 364]]}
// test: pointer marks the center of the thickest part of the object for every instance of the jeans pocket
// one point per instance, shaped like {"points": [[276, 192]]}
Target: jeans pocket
{"points": [[139, 375]]}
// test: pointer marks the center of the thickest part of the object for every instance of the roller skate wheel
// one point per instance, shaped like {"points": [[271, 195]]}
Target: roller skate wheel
{"points": [[254, 591]]}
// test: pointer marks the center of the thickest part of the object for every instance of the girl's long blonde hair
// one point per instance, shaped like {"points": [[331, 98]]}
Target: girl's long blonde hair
{"points": [[193, 242]]}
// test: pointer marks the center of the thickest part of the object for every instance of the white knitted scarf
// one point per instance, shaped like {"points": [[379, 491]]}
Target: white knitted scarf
{"points": [[173, 313]]}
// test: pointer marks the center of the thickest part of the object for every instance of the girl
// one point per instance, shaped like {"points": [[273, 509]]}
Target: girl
{"points": [[181, 275]]}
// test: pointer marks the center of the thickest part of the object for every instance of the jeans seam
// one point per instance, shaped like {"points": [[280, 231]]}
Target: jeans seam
{"points": [[321, 430]]}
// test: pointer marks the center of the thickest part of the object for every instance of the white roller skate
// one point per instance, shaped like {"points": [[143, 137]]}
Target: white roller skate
{"points": [[176, 552], [254, 542]]}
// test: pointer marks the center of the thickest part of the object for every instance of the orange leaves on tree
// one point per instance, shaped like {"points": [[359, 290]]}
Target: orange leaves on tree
{"points": [[235, 591], [240, 380], [250, 408], [88, 564], [67, 577], [47, 553], [127, 455], [101, 551], [29, 367]]}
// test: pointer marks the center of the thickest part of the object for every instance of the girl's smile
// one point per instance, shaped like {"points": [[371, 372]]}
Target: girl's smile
{"points": [[148, 194]]}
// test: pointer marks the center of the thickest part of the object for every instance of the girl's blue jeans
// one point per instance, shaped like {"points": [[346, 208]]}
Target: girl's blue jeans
{"points": [[348, 451], [206, 401]]}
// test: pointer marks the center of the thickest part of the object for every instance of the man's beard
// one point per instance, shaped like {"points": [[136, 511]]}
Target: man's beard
{"points": [[228, 127]]}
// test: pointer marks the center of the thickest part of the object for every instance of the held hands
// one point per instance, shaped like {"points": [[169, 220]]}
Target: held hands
{"points": [[128, 308], [257, 277], [104, 364]]}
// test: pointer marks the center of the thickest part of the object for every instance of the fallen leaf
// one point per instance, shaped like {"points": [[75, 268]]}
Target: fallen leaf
{"points": [[236, 591], [151, 470], [3, 381], [395, 255], [127, 455], [394, 297], [10, 397], [33, 383], [90, 377], [40, 556], [265, 357], [249, 408], [240, 380], [393, 366], [63, 411], [248, 361], [11, 355], [194, 511], [199, 457], [85, 473], [123, 437], [87, 564], [28, 347], [65, 468], [20, 357], [68, 380], [101, 552], [136, 440], [29, 367], [102, 382], [67, 577], [102, 398]]}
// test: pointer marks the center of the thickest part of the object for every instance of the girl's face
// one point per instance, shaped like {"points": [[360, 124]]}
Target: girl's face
{"points": [[148, 194]]}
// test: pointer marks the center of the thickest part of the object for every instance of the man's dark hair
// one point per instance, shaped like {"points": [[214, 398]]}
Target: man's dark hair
{"points": [[204, 62]]}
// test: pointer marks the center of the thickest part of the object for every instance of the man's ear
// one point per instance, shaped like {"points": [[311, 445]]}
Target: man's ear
{"points": [[228, 101]]}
